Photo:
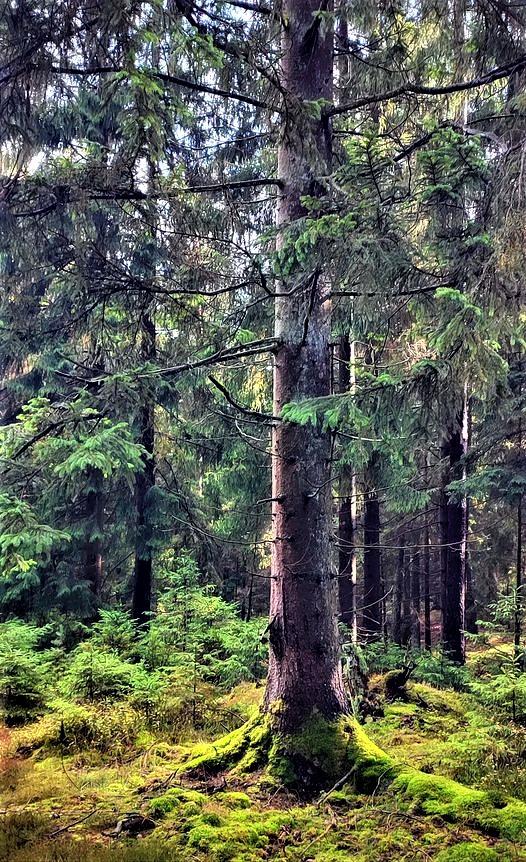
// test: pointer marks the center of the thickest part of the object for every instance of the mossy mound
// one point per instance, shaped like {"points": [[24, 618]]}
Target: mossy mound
{"points": [[436, 795], [469, 851], [320, 754]]}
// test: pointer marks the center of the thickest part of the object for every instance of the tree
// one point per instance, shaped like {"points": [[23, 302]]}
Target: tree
{"points": [[304, 668]]}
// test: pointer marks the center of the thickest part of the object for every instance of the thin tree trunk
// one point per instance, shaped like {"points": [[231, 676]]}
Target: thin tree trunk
{"points": [[304, 664], [453, 611], [399, 591], [145, 481], [443, 518], [415, 597], [372, 574], [95, 524], [405, 636], [517, 634], [427, 585], [347, 514], [518, 582]]}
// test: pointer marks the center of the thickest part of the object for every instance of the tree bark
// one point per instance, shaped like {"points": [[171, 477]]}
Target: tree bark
{"points": [[304, 664], [399, 591], [372, 575], [415, 597], [454, 592], [427, 584], [347, 513], [144, 482]]}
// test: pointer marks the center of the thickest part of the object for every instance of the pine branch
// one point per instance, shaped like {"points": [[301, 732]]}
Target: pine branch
{"points": [[496, 74], [260, 417], [195, 86]]}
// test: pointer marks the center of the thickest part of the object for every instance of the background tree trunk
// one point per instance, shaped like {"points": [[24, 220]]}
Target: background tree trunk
{"points": [[372, 575], [347, 513], [145, 481], [453, 610]]}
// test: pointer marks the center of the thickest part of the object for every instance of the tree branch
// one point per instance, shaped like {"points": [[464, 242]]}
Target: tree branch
{"points": [[496, 74], [167, 79], [260, 417]]}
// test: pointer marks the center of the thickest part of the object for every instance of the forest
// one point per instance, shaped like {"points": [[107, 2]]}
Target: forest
{"points": [[262, 467]]}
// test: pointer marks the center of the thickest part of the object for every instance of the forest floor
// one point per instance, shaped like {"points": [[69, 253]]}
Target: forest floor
{"points": [[64, 795]]}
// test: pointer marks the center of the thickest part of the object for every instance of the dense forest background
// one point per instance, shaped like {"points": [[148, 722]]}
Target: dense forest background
{"points": [[262, 333]]}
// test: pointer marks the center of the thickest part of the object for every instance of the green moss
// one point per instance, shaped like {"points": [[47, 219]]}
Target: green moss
{"points": [[470, 852], [234, 799], [239, 838], [244, 746], [177, 799], [441, 796]]}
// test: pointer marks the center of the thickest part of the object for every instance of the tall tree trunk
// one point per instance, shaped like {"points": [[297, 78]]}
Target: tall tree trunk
{"points": [[347, 513], [95, 525], [304, 664], [427, 584], [518, 582], [405, 636], [145, 481], [517, 633], [398, 597], [372, 574], [443, 517], [415, 597], [454, 593]]}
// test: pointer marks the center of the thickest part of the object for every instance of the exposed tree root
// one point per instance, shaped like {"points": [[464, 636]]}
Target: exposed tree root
{"points": [[311, 760], [323, 755]]}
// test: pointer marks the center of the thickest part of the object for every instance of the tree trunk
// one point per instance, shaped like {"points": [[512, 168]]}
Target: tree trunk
{"points": [[95, 525], [454, 593], [415, 597], [145, 481], [304, 665], [443, 518], [518, 582], [347, 514], [427, 584], [405, 634], [372, 574], [398, 597]]}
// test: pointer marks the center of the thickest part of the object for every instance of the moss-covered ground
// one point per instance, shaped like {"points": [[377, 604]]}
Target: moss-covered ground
{"points": [[445, 783]]}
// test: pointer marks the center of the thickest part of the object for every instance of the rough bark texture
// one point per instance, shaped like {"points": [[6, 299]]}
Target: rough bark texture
{"points": [[304, 663], [347, 513], [142, 575], [372, 575]]}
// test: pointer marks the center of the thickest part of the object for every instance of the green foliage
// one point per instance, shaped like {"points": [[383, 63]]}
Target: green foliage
{"points": [[110, 449], [25, 672], [505, 688], [468, 851], [95, 675], [199, 633], [430, 667], [24, 543]]}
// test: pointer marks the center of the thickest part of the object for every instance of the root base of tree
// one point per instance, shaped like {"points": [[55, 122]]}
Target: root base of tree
{"points": [[324, 755]]}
